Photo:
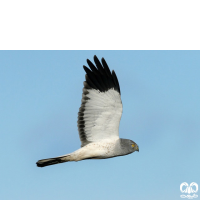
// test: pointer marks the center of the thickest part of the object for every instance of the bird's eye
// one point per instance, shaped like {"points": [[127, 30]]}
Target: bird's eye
{"points": [[132, 145]]}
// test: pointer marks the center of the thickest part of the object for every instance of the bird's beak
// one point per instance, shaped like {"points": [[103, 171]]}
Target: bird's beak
{"points": [[137, 149]]}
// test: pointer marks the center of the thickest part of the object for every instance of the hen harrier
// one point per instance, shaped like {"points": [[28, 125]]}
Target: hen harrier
{"points": [[98, 118]]}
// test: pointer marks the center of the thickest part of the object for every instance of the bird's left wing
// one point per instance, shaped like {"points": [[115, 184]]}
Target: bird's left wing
{"points": [[101, 109]]}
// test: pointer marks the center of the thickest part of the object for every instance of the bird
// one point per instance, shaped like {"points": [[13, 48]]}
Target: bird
{"points": [[98, 118]]}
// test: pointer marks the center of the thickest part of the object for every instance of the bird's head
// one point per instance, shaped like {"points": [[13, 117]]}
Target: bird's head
{"points": [[129, 146], [134, 146]]}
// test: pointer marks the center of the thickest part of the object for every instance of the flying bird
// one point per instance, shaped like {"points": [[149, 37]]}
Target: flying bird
{"points": [[98, 118]]}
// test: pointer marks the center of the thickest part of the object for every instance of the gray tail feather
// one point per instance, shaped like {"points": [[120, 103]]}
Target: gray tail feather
{"points": [[52, 161]]}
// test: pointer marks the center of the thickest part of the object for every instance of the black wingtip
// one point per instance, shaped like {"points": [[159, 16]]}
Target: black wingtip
{"points": [[100, 76]]}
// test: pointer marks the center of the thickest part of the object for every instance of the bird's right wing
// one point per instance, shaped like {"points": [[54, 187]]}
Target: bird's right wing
{"points": [[101, 109]]}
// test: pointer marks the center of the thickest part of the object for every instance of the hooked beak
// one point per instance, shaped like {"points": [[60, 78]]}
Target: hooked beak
{"points": [[137, 149]]}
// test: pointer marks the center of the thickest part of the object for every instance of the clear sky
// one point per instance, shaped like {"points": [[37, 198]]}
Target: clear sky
{"points": [[40, 94]]}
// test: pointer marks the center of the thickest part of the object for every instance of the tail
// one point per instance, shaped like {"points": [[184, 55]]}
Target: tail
{"points": [[53, 161]]}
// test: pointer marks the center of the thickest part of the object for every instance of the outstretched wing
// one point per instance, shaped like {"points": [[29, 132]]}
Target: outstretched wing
{"points": [[101, 109]]}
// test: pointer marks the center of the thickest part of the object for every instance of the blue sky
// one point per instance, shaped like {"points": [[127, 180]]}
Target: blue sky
{"points": [[40, 94]]}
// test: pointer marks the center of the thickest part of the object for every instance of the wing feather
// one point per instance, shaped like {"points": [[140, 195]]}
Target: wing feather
{"points": [[101, 108]]}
